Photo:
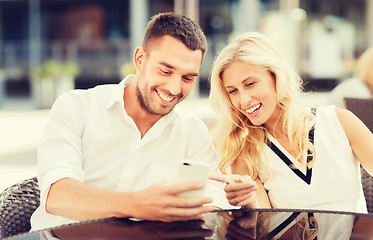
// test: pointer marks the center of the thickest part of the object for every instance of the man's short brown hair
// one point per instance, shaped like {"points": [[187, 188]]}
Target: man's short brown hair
{"points": [[177, 26]]}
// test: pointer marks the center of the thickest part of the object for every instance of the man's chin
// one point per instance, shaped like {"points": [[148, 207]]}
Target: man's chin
{"points": [[161, 112], [166, 112]]}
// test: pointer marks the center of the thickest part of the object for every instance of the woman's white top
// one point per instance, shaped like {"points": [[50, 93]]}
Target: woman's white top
{"points": [[335, 182], [327, 226]]}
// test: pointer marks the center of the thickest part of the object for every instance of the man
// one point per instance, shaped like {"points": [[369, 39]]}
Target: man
{"points": [[112, 151]]}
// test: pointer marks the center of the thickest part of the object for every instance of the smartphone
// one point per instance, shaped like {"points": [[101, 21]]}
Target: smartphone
{"points": [[193, 171]]}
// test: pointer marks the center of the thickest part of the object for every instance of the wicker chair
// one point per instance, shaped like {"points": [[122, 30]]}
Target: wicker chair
{"points": [[363, 109], [17, 203]]}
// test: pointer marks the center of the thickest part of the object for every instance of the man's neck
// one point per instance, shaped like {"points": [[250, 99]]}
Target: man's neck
{"points": [[142, 118]]}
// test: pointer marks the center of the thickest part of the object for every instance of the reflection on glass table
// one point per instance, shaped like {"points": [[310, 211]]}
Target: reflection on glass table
{"points": [[227, 224]]}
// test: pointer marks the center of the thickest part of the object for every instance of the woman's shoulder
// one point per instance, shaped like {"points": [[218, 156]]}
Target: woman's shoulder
{"points": [[332, 117], [325, 110], [340, 113], [327, 119], [347, 119]]}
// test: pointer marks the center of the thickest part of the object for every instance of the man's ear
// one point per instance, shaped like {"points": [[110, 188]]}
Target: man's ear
{"points": [[138, 57]]}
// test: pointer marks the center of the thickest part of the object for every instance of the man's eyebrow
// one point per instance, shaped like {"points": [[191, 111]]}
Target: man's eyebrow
{"points": [[172, 67], [167, 65], [192, 74]]}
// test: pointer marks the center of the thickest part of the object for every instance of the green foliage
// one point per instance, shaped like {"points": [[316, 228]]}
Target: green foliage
{"points": [[127, 68], [56, 69]]}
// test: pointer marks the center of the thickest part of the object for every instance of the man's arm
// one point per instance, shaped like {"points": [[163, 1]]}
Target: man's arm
{"points": [[61, 175], [76, 200]]}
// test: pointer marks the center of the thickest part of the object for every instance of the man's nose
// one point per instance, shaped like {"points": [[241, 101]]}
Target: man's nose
{"points": [[174, 86]]}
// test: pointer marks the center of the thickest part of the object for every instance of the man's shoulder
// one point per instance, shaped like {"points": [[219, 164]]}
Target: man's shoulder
{"points": [[103, 89], [187, 119], [191, 127], [185, 115], [97, 91], [85, 98]]}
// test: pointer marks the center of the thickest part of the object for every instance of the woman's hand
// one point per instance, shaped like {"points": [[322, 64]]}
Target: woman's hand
{"points": [[240, 190]]}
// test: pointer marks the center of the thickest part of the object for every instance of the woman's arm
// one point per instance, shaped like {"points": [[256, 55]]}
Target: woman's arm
{"points": [[359, 136], [261, 195]]}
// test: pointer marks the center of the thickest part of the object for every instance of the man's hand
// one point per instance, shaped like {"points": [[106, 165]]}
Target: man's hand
{"points": [[160, 202], [240, 190]]}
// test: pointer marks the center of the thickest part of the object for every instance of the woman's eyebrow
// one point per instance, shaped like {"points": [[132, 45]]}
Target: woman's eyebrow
{"points": [[228, 87]]}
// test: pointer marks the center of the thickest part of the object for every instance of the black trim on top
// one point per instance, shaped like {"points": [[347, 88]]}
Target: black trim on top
{"points": [[289, 220], [312, 224], [306, 178], [283, 225], [285, 159]]}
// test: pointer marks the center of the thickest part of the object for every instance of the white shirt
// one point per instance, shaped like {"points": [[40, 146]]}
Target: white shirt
{"points": [[335, 180], [90, 137], [352, 88]]}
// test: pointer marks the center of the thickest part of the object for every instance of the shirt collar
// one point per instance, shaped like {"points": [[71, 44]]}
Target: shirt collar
{"points": [[117, 95]]}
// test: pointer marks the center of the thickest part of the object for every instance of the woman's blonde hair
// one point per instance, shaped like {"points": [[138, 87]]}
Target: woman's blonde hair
{"points": [[364, 68], [236, 138]]}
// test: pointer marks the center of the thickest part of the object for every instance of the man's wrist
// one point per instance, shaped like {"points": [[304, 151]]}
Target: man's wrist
{"points": [[123, 205]]}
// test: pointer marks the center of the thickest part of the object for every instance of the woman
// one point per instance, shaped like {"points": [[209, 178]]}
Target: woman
{"points": [[298, 159]]}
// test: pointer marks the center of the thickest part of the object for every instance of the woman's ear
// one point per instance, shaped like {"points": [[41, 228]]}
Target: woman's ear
{"points": [[138, 57]]}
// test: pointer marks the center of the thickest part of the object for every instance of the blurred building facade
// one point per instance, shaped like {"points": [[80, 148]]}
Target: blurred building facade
{"points": [[321, 39]]}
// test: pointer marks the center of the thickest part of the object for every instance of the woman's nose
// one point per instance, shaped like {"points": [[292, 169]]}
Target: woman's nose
{"points": [[245, 100]]}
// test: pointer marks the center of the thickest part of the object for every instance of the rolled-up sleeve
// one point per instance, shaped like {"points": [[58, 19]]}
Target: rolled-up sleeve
{"points": [[59, 151]]}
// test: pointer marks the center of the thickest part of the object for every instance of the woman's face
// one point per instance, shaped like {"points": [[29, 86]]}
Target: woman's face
{"points": [[252, 91]]}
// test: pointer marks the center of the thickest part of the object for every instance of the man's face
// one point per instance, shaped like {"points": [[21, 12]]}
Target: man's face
{"points": [[166, 72]]}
